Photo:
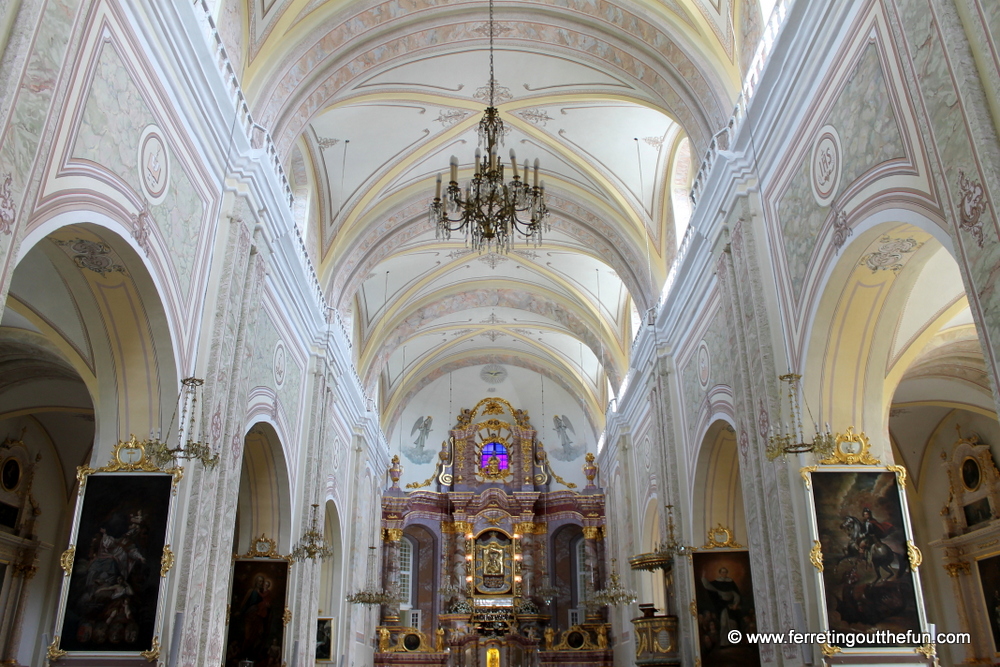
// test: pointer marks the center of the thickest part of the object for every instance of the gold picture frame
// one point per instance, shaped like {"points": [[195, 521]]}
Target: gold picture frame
{"points": [[126, 505], [256, 628], [858, 513]]}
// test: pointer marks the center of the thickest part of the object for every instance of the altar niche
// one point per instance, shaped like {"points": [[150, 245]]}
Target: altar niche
{"points": [[494, 566]]}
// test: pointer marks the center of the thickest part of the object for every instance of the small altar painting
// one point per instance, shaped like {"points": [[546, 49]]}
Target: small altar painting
{"points": [[724, 595], [257, 607]]}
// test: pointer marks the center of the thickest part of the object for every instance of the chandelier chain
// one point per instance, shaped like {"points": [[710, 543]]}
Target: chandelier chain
{"points": [[493, 81]]}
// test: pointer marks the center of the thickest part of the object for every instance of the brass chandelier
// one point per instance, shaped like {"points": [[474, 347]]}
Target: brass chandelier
{"points": [[489, 210], [372, 594], [790, 439], [312, 545], [196, 448], [614, 594]]}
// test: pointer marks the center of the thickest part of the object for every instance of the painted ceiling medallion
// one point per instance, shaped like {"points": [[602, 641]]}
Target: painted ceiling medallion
{"points": [[704, 365], [154, 164], [826, 165], [493, 373]]}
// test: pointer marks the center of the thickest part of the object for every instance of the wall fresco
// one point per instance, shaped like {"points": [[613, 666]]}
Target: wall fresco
{"points": [[30, 110], [263, 367]]}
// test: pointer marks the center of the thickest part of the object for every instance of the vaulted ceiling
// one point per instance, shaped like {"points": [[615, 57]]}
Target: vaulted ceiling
{"points": [[368, 100]]}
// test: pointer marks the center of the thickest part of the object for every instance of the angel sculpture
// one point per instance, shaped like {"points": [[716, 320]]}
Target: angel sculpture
{"points": [[423, 426], [562, 424]]}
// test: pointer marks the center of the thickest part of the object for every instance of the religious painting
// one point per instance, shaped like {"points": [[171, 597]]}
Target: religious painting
{"points": [[971, 474], [113, 594], [724, 597], [324, 639], [257, 609], [989, 582], [863, 539], [977, 512], [10, 474]]}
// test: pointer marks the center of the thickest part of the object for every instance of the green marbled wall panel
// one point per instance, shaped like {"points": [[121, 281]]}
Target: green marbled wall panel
{"points": [[869, 135], [114, 118], [34, 97], [716, 341], [262, 372]]}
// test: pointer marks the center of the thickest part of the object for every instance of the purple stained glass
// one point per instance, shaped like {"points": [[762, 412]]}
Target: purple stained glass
{"points": [[497, 450]]}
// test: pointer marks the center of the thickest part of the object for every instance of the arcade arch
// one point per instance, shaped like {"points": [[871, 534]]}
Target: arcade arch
{"points": [[264, 502], [86, 358]]}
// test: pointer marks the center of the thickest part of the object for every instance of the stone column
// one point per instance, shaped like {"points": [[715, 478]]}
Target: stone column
{"points": [[391, 538], [591, 535], [956, 569], [207, 506]]}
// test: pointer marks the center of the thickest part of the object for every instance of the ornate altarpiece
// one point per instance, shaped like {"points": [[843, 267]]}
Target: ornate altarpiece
{"points": [[971, 543], [491, 531]]}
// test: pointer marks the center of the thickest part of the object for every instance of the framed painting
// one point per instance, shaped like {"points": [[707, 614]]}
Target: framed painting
{"points": [[724, 602], [989, 583], [115, 567], [863, 552], [257, 612], [324, 639]]}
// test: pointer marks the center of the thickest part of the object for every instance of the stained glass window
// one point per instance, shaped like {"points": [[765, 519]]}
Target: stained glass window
{"points": [[497, 450]]}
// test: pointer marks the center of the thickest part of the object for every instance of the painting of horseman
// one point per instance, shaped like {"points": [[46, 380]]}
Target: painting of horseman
{"points": [[863, 536]]}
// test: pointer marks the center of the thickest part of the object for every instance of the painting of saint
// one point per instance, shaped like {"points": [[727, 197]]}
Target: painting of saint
{"points": [[324, 639], [115, 583], [863, 537], [724, 596], [256, 612]]}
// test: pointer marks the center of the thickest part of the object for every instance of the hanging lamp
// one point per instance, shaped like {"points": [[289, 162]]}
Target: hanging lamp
{"points": [[489, 210]]}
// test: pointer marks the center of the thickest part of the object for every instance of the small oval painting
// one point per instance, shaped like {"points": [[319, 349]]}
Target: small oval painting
{"points": [[10, 474], [970, 474], [411, 642]]}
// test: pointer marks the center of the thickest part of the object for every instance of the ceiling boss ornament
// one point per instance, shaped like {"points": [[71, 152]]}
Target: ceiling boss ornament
{"points": [[489, 210]]}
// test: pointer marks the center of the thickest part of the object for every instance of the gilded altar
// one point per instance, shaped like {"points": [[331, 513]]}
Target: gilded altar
{"points": [[490, 550]]}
